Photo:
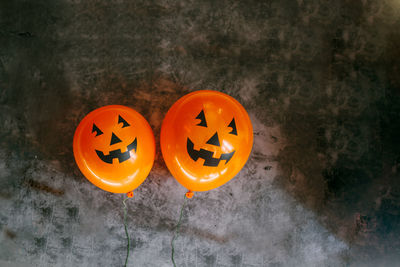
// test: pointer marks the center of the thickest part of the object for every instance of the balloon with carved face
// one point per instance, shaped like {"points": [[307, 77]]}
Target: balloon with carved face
{"points": [[114, 148], [206, 138]]}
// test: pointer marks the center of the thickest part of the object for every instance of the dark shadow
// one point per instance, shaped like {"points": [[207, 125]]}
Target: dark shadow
{"points": [[349, 160], [35, 96]]}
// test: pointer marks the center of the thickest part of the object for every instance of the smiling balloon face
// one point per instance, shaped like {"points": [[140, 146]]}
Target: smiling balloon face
{"points": [[206, 138], [114, 148]]}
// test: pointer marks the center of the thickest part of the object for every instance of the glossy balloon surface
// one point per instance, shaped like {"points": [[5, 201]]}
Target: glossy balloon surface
{"points": [[114, 148], [206, 138]]}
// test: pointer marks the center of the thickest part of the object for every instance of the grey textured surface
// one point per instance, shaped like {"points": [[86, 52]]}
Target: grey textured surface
{"points": [[320, 80]]}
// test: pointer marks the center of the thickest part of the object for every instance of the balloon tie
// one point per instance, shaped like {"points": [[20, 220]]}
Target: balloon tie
{"points": [[129, 195], [176, 234]]}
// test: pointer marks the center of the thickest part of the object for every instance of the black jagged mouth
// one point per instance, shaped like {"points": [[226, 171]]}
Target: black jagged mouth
{"points": [[117, 154], [209, 160]]}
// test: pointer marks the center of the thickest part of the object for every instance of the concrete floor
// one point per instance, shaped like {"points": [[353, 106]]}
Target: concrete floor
{"points": [[320, 80]]}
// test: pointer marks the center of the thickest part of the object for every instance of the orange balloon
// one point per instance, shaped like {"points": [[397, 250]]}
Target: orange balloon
{"points": [[114, 148], [206, 138]]}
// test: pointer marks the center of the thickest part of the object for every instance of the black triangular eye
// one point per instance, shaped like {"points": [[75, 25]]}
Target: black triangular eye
{"points": [[233, 126], [202, 118], [97, 130], [124, 123]]}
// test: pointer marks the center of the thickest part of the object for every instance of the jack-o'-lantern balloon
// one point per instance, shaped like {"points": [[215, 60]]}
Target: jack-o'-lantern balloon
{"points": [[114, 148], [206, 138]]}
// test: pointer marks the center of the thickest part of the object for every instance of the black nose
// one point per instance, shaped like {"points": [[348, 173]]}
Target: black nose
{"points": [[214, 140], [114, 139]]}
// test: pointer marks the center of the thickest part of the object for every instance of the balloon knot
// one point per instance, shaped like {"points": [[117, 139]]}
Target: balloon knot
{"points": [[189, 194], [129, 194]]}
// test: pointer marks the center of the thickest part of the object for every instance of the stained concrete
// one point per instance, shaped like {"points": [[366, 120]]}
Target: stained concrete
{"points": [[320, 80]]}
